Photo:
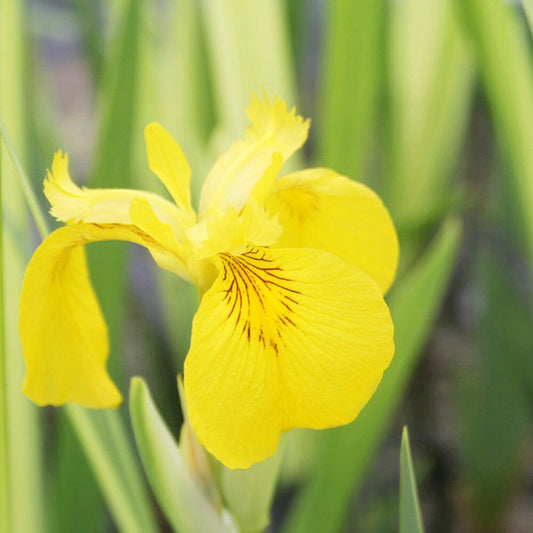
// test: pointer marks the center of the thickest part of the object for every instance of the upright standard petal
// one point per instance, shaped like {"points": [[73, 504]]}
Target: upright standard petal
{"points": [[273, 129], [62, 330], [284, 338], [167, 161], [318, 208]]}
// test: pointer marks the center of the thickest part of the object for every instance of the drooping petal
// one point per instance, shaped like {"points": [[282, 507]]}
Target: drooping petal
{"points": [[284, 338], [273, 129], [62, 330], [318, 208], [71, 203], [167, 161]]}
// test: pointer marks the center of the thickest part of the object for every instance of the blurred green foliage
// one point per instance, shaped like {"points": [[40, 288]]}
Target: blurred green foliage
{"points": [[410, 96]]}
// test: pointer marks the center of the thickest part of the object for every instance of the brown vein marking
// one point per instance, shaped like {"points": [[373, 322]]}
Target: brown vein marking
{"points": [[145, 239], [254, 279]]}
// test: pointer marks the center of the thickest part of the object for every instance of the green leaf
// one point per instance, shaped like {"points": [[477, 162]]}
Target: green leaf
{"points": [[113, 167], [184, 504], [493, 404], [410, 516], [21, 486], [91, 34], [351, 82], [5, 505], [528, 7], [430, 88], [248, 493], [504, 57], [175, 92], [249, 52], [346, 452], [109, 453], [71, 469]]}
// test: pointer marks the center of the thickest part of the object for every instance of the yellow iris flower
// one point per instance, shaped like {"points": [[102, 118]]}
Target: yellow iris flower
{"points": [[292, 329]]}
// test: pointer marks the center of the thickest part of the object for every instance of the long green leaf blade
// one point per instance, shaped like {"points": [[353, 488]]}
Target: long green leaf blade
{"points": [[239, 71], [71, 469], [5, 506], [430, 87], [410, 515], [494, 400], [507, 71], [132, 515], [185, 506], [175, 92], [528, 7], [351, 80], [346, 452], [19, 448], [113, 165]]}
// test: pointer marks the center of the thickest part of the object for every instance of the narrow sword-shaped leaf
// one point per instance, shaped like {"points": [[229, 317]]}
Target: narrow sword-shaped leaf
{"points": [[528, 8], [351, 82], [175, 92], [507, 71], [410, 516], [5, 505], [181, 499], [247, 43], [113, 163], [21, 443], [494, 400], [430, 87]]}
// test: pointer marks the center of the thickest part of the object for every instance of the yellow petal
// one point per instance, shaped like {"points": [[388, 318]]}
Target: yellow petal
{"points": [[227, 231], [167, 161], [273, 129], [317, 208], [62, 330], [284, 338], [71, 203], [143, 217], [232, 231]]}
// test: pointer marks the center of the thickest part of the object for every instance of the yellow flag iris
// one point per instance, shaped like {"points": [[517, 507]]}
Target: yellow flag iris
{"points": [[292, 329]]}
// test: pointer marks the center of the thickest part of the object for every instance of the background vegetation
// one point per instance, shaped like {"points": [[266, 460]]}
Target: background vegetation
{"points": [[430, 103]]}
